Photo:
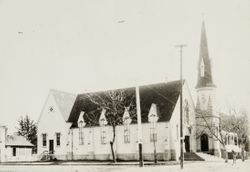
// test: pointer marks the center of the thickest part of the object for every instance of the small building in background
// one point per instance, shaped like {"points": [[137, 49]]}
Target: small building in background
{"points": [[14, 148]]}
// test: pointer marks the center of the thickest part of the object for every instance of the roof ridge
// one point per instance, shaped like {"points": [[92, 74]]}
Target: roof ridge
{"points": [[156, 83], [59, 91]]}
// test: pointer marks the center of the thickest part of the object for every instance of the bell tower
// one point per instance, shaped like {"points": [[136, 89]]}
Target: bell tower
{"points": [[206, 97]]}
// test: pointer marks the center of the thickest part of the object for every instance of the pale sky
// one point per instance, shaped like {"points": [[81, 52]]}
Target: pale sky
{"points": [[87, 45]]}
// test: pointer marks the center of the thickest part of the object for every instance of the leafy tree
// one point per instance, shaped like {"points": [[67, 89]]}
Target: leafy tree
{"points": [[28, 128]]}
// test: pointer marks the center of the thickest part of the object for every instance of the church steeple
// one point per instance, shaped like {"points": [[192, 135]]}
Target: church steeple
{"points": [[204, 66]]}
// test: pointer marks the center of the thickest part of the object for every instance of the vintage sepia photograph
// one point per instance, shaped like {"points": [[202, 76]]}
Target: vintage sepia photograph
{"points": [[124, 85]]}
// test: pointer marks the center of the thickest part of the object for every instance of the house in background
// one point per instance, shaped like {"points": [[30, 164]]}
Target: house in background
{"points": [[72, 136], [14, 148]]}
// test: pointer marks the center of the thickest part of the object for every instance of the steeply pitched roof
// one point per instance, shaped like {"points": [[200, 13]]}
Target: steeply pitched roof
{"points": [[15, 140], [65, 102], [207, 80], [164, 95]]}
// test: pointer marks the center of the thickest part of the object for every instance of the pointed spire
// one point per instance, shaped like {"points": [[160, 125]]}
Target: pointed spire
{"points": [[203, 44], [204, 65]]}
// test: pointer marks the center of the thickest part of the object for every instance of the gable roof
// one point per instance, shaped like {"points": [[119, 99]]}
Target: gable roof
{"points": [[15, 140], [64, 101], [164, 95]]}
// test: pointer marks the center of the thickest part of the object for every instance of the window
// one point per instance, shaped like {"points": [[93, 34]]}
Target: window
{"points": [[202, 68], [153, 133], [126, 126], [58, 139], [126, 130], [235, 140], [14, 151], [44, 136], [186, 110], [177, 131], [225, 140], [81, 141], [103, 131], [51, 109], [103, 135]]}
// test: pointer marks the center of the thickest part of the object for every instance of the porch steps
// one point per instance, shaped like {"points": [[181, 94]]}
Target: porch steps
{"points": [[209, 158], [191, 156]]}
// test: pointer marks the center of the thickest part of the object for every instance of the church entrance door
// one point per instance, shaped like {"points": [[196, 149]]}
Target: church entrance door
{"points": [[51, 146], [187, 143], [204, 142]]}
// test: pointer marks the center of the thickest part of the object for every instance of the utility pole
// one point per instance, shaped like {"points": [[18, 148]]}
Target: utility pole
{"points": [[139, 127], [181, 120]]}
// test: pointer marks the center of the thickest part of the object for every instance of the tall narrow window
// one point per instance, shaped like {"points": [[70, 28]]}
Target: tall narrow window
{"points": [[126, 130], [81, 141], [103, 132], [177, 131], [235, 140], [58, 139], [14, 152], [44, 136], [186, 110], [103, 122], [202, 68], [153, 118], [153, 133]]}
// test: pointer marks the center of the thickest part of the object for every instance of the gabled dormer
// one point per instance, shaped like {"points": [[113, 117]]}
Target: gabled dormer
{"points": [[81, 122], [102, 119], [153, 115], [126, 117]]}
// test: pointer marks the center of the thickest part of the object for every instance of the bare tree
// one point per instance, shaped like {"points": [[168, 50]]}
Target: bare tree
{"points": [[236, 121], [211, 125], [114, 102]]}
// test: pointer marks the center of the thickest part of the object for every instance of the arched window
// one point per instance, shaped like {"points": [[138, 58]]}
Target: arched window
{"points": [[103, 122], [186, 111], [103, 131], [126, 124], [126, 130], [153, 132], [202, 68], [153, 118]]}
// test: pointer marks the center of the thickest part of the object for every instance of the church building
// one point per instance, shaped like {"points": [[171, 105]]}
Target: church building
{"points": [[82, 130], [81, 127]]}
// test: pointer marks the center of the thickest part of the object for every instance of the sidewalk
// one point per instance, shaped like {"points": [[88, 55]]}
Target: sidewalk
{"points": [[92, 163]]}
